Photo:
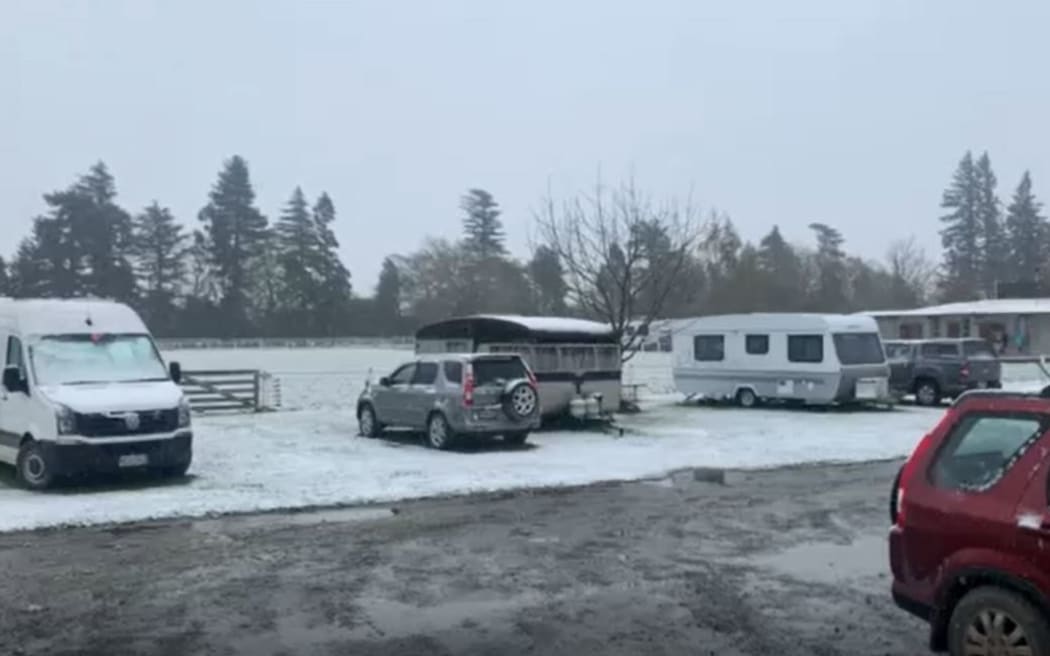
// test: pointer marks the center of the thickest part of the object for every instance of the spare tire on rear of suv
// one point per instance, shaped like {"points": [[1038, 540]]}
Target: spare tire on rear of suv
{"points": [[520, 401]]}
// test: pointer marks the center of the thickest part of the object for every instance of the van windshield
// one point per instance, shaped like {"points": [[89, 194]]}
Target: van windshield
{"points": [[84, 359], [859, 348]]}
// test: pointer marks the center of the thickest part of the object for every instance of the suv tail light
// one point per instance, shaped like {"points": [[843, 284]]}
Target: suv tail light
{"points": [[532, 378], [925, 444], [468, 385]]}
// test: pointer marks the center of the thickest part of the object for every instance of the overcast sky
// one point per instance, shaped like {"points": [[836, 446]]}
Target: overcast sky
{"points": [[853, 113]]}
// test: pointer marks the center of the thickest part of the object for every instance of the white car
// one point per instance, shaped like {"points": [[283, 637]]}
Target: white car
{"points": [[84, 389]]}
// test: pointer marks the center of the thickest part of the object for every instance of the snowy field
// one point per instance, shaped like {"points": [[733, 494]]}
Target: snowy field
{"points": [[309, 455]]}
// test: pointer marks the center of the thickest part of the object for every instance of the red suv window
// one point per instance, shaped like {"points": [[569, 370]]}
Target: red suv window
{"points": [[983, 446]]}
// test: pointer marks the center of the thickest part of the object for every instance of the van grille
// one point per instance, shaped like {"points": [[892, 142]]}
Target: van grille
{"points": [[149, 421]]}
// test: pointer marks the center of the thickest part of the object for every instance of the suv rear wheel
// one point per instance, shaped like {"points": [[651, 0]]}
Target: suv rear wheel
{"points": [[991, 621], [439, 434]]}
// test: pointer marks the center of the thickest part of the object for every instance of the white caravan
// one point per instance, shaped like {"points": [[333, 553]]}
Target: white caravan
{"points": [[804, 358], [84, 389]]}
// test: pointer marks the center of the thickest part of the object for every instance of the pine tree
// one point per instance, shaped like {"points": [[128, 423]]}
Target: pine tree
{"points": [[1027, 233], [160, 251], [781, 273], [5, 280], [481, 224], [548, 281], [236, 236], [993, 236], [387, 300], [298, 247], [961, 235], [333, 277], [79, 248], [830, 293]]}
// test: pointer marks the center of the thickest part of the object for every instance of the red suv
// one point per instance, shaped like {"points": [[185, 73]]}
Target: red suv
{"points": [[970, 543]]}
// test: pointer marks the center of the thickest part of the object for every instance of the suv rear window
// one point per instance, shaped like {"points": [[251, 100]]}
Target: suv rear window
{"points": [[488, 371], [940, 350], [978, 348], [982, 446], [859, 348], [454, 372]]}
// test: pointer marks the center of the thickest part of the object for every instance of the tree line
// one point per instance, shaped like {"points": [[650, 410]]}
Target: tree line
{"points": [[612, 253]]}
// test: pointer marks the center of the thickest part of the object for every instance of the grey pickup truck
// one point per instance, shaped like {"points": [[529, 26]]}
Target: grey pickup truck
{"points": [[933, 369]]}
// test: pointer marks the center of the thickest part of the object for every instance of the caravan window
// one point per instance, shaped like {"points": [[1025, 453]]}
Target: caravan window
{"points": [[805, 348], [608, 358], [756, 344], [545, 358], [859, 348], [709, 348]]}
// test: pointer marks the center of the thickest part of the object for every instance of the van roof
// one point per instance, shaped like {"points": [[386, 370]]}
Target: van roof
{"points": [[50, 316]]}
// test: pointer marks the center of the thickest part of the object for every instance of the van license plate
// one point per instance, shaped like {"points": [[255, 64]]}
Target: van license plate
{"points": [[133, 460]]}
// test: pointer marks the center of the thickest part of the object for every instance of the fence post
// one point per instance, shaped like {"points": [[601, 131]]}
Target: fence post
{"points": [[257, 390]]}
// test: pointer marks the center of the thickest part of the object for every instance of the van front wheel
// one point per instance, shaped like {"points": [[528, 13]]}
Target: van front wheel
{"points": [[33, 468]]}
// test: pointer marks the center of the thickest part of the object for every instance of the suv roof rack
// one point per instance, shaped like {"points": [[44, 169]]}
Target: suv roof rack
{"points": [[1002, 394]]}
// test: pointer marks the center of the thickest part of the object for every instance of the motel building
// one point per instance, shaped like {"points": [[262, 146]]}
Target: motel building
{"points": [[1014, 326]]}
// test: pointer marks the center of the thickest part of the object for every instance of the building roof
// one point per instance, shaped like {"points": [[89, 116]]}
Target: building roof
{"points": [[970, 308]]}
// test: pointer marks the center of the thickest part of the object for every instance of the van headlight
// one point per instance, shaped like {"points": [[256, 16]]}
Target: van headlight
{"points": [[184, 413], [65, 420]]}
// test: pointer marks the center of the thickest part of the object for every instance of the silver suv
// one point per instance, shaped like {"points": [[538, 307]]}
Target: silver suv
{"points": [[451, 396]]}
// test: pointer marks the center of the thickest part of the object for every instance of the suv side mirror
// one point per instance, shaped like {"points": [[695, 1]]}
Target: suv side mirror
{"points": [[175, 371], [384, 381], [13, 381]]}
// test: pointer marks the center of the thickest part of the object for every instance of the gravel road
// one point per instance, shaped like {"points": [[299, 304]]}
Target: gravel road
{"points": [[787, 561]]}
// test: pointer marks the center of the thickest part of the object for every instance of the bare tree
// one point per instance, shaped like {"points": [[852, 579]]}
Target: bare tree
{"points": [[622, 254], [912, 270]]}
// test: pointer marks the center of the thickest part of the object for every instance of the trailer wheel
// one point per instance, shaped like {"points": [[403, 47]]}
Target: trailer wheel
{"points": [[746, 398]]}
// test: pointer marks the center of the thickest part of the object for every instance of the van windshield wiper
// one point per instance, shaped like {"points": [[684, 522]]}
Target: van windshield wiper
{"points": [[83, 382], [144, 380]]}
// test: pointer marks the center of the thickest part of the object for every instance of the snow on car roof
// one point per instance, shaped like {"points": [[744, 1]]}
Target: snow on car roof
{"points": [[70, 316]]}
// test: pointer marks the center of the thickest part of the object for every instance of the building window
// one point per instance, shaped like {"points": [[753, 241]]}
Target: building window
{"points": [[756, 344], [709, 348], [805, 348], [910, 330]]}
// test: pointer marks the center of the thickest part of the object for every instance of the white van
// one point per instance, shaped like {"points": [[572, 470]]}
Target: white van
{"points": [[808, 358], [85, 389]]}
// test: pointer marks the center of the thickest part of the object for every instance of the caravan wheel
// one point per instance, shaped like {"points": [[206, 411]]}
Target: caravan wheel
{"points": [[746, 398]]}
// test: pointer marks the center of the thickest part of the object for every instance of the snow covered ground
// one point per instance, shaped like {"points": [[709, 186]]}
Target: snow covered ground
{"points": [[309, 455]]}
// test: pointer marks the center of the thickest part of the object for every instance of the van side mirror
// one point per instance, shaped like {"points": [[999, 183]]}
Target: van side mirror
{"points": [[13, 381], [384, 381], [175, 371]]}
